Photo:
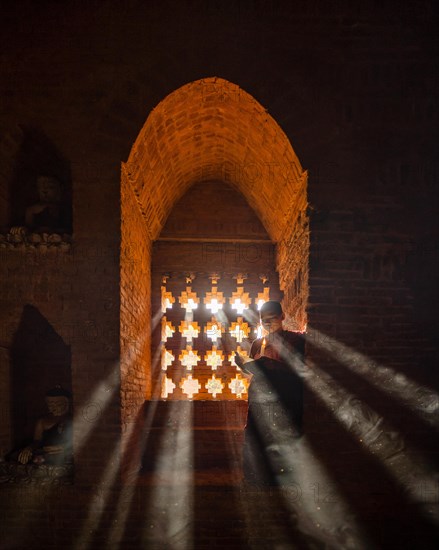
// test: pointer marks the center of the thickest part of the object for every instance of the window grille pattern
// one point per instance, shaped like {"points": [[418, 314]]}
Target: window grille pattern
{"points": [[204, 322]]}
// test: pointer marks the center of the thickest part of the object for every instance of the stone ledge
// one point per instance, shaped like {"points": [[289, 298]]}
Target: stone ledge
{"points": [[42, 474], [36, 241]]}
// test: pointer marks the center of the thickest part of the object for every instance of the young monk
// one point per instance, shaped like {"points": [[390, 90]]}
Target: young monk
{"points": [[275, 401]]}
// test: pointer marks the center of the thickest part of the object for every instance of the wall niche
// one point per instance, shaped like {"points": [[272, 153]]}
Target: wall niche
{"points": [[36, 192]]}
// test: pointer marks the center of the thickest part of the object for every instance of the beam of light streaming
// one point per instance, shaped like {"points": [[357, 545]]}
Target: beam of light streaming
{"points": [[318, 503], [156, 319], [419, 477], [94, 407], [170, 507], [233, 432], [315, 506], [418, 398], [251, 316], [222, 317], [109, 480], [84, 418], [98, 502], [418, 480], [127, 491], [125, 497], [301, 477], [83, 424]]}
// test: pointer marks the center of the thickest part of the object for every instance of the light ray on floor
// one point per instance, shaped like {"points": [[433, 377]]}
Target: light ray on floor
{"points": [[98, 501], [126, 494], [418, 398], [376, 435], [170, 505]]}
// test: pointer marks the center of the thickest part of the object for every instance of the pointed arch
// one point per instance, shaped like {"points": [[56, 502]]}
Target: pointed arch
{"points": [[207, 130]]}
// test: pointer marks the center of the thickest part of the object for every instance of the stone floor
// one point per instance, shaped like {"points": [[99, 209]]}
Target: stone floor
{"points": [[190, 495]]}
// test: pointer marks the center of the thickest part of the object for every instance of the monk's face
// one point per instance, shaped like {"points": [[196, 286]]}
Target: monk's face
{"points": [[57, 405], [271, 322]]}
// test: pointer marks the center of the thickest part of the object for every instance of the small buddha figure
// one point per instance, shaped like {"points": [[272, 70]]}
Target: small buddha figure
{"points": [[52, 441], [47, 215]]}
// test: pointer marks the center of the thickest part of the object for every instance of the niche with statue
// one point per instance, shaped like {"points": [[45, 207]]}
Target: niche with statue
{"points": [[41, 418], [38, 213]]}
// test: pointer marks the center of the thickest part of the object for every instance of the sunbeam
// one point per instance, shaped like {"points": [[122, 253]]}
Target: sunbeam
{"points": [[94, 407], [125, 496], [169, 509], [418, 398], [98, 501], [378, 438]]}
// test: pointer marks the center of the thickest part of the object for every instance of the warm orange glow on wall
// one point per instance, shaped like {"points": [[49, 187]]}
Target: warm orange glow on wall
{"points": [[239, 329], [167, 329], [214, 358], [222, 134], [214, 300], [214, 385], [189, 300], [228, 136], [167, 299], [214, 329], [190, 386], [189, 330], [167, 358], [189, 358]]}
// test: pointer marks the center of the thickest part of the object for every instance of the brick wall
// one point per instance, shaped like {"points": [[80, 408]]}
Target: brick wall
{"points": [[211, 129], [40, 281], [135, 318], [353, 88], [293, 261]]}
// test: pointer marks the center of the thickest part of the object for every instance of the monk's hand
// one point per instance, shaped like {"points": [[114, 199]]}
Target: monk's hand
{"points": [[25, 455], [53, 449], [238, 360], [241, 360]]}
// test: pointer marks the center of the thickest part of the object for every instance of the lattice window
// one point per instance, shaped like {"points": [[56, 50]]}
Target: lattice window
{"points": [[262, 297], [214, 358], [214, 329], [189, 329], [200, 332], [240, 300], [241, 351], [168, 387], [167, 298], [214, 300], [190, 386], [167, 329], [238, 385], [214, 386], [239, 330], [189, 300], [189, 358], [167, 359]]}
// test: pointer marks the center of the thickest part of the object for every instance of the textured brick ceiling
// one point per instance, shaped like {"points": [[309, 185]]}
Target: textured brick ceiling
{"points": [[210, 129]]}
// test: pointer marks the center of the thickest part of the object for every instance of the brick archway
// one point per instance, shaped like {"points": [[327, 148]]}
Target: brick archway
{"points": [[208, 129]]}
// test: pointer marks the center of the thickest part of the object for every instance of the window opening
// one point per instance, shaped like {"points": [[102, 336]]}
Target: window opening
{"points": [[201, 331]]}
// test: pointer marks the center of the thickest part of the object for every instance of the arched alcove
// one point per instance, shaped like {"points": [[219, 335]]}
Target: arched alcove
{"points": [[40, 360], [28, 154], [208, 130], [214, 239]]}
